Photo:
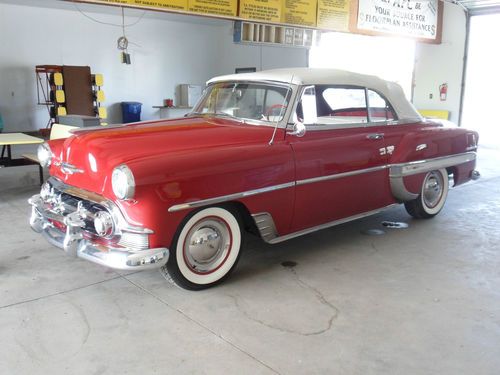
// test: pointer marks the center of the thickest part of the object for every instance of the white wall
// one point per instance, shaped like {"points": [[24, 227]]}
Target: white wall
{"points": [[168, 50], [437, 64], [234, 55]]}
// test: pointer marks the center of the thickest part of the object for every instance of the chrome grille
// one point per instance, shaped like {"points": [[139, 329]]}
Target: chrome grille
{"points": [[65, 204], [135, 241]]}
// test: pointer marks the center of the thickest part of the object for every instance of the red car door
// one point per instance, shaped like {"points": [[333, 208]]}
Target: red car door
{"points": [[381, 112], [340, 161]]}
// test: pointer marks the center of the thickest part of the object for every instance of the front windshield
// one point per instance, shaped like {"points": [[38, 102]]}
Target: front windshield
{"points": [[246, 101]]}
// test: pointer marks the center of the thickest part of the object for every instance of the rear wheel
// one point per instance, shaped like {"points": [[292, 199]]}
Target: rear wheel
{"points": [[205, 249], [432, 196]]}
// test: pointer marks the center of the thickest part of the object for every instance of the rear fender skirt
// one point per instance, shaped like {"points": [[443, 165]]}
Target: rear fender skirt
{"points": [[397, 172]]}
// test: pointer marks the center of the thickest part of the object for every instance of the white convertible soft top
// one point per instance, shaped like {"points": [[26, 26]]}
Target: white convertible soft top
{"points": [[317, 76]]}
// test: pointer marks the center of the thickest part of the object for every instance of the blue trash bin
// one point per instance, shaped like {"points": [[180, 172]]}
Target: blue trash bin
{"points": [[131, 112]]}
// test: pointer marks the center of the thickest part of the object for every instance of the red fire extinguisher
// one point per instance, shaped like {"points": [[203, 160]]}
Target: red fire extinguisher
{"points": [[443, 91]]}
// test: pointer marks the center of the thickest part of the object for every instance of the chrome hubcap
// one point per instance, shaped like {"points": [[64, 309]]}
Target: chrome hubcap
{"points": [[433, 189], [207, 245]]}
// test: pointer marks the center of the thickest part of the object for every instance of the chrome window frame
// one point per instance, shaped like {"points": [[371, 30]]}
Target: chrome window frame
{"points": [[387, 102], [291, 102], [320, 126]]}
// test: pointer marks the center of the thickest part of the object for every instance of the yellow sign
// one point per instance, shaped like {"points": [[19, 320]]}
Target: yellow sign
{"points": [[219, 7], [119, 2], [333, 15], [159, 4], [166, 4], [261, 10], [300, 12]]}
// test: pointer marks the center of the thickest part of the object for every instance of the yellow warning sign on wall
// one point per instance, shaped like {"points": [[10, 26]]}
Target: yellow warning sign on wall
{"points": [[158, 4], [218, 7], [119, 2], [299, 12], [333, 15], [261, 10], [166, 4]]}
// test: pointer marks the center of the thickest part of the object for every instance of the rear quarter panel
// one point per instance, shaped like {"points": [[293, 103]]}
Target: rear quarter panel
{"points": [[438, 141]]}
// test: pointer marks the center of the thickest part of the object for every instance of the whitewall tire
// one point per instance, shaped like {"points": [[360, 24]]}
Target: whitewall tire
{"points": [[432, 195], [206, 248]]}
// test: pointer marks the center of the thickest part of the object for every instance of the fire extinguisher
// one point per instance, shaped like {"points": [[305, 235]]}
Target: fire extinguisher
{"points": [[443, 91]]}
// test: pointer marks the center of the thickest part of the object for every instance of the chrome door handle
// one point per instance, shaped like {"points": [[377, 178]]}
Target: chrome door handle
{"points": [[375, 136]]}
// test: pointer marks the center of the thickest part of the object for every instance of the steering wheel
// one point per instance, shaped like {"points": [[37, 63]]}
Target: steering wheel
{"points": [[271, 109]]}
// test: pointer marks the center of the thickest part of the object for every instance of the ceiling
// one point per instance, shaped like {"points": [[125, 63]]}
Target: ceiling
{"points": [[480, 6]]}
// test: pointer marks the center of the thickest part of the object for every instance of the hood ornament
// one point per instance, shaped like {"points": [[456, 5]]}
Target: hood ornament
{"points": [[67, 168]]}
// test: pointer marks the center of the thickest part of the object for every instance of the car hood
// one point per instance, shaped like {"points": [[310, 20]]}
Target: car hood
{"points": [[92, 154]]}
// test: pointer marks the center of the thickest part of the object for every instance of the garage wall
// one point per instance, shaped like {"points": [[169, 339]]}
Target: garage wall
{"points": [[234, 55], [437, 64], [168, 50]]}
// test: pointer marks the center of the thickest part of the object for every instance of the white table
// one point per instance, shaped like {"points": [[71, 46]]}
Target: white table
{"points": [[7, 140]]}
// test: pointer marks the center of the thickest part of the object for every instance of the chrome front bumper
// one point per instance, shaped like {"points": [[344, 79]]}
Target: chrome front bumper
{"points": [[66, 229]]}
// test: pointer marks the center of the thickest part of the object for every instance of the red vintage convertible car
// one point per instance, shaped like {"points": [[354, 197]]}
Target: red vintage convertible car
{"points": [[281, 153]]}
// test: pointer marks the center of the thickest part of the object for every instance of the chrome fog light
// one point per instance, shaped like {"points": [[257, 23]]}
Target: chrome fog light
{"points": [[103, 224]]}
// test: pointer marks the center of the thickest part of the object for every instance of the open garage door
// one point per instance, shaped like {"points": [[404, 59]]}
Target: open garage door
{"points": [[481, 98]]}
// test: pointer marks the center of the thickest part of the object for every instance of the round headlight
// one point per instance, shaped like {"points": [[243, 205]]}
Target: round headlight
{"points": [[44, 154], [122, 181], [103, 224]]}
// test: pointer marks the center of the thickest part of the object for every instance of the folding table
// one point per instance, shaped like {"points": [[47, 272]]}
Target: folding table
{"points": [[7, 140]]}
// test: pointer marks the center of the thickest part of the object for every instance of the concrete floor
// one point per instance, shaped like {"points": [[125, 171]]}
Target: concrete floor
{"points": [[422, 300]]}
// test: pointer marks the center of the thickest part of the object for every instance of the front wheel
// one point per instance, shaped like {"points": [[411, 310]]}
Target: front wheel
{"points": [[432, 196], [205, 249]]}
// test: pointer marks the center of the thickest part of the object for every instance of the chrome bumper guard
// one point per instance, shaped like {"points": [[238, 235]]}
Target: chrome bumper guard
{"points": [[73, 242]]}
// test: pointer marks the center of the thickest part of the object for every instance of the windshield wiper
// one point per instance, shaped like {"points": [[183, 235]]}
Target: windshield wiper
{"points": [[189, 114], [218, 114], [225, 114]]}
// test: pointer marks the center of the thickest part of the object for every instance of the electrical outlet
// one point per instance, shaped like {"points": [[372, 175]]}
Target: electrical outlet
{"points": [[430, 96]]}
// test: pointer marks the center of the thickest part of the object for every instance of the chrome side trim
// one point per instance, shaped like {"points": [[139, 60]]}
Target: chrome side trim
{"points": [[421, 166], [398, 171], [399, 190], [327, 225], [341, 175], [229, 197], [319, 126], [265, 224]]}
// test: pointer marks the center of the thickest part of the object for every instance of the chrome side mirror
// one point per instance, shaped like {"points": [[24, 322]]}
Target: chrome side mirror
{"points": [[298, 130]]}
